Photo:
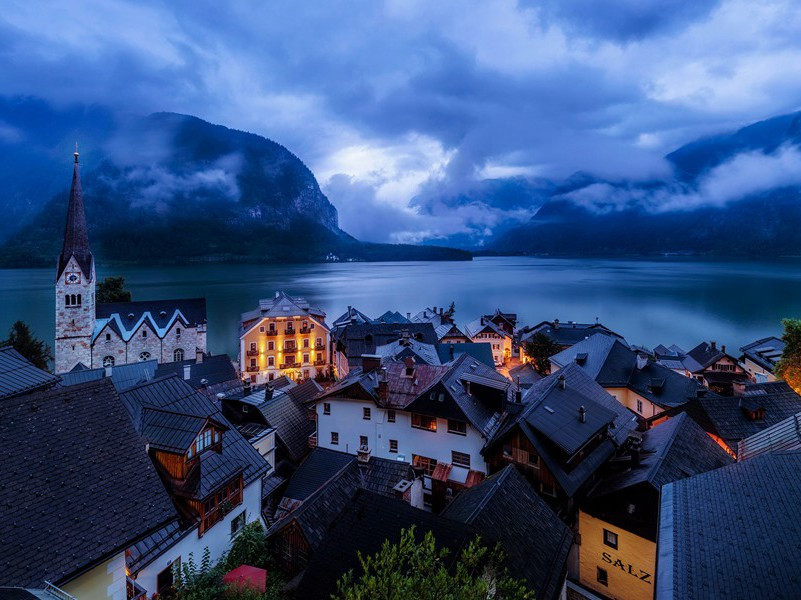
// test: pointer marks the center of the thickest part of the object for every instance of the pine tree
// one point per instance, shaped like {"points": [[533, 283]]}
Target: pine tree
{"points": [[24, 342]]}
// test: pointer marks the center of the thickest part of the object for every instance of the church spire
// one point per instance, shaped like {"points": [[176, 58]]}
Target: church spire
{"points": [[76, 236]]}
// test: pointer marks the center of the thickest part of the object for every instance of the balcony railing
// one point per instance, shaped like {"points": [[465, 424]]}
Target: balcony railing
{"points": [[304, 330], [289, 349], [252, 353], [57, 592], [289, 365], [272, 332], [320, 346], [319, 362], [313, 440], [289, 331], [252, 368]]}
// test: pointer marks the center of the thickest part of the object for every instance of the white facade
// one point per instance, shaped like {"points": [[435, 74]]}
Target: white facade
{"points": [[346, 418], [265, 445], [501, 345], [217, 539]]}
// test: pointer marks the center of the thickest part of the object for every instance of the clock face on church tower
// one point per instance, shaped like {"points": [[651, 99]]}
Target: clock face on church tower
{"points": [[73, 278]]}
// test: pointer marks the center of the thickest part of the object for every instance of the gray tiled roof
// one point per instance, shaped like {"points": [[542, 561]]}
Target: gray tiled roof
{"points": [[765, 352], [212, 370], [122, 376], [506, 509], [76, 486], [391, 316], [319, 467], [290, 419], [400, 349], [568, 333], [359, 339], [734, 532], [305, 392], [481, 352], [170, 431], [19, 376]]}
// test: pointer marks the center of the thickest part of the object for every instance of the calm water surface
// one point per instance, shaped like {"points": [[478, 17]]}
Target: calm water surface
{"points": [[650, 302]]}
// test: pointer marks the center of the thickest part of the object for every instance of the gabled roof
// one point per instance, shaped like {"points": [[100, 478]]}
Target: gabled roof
{"points": [[125, 318], [353, 315], [526, 373], [726, 416], [362, 525], [580, 390], [483, 325], [173, 394], [18, 375], [170, 431], [305, 392], [282, 305], [212, 370], [290, 419], [673, 450], [359, 339], [399, 349], [784, 435], [613, 364], [76, 233], [504, 508], [122, 376], [481, 352], [706, 354], [76, 486], [391, 316], [448, 330], [733, 532], [567, 333], [765, 352]]}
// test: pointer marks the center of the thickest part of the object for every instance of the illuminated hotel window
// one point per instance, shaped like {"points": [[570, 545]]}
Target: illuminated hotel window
{"points": [[610, 539]]}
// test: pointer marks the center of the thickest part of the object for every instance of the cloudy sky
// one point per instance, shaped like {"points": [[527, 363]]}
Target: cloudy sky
{"points": [[397, 104]]}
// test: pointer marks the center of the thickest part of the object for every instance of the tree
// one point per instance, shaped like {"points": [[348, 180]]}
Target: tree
{"points": [[450, 312], [23, 341], [412, 569], [251, 548], [540, 348], [789, 367], [112, 289]]}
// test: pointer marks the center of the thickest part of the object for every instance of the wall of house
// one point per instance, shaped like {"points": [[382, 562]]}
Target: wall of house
{"points": [[265, 445], [346, 419], [629, 398], [261, 339], [759, 373], [217, 539], [107, 580], [501, 346], [161, 349], [630, 568]]}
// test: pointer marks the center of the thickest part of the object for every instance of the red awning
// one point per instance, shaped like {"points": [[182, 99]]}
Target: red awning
{"points": [[247, 577]]}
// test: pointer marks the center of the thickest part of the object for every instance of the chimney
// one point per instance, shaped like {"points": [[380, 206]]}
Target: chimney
{"points": [[370, 362], [409, 363], [198, 355], [187, 371], [405, 339], [562, 382], [276, 294], [383, 385], [635, 457], [108, 371], [409, 316], [723, 348], [714, 345], [738, 388], [582, 414], [556, 323]]}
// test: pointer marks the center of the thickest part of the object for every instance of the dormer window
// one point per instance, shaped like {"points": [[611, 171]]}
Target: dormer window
{"points": [[208, 438]]}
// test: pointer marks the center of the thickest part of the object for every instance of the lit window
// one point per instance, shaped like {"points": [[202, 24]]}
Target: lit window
{"points": [[610, 539], [460, 459], [305, 358], [423, 422], [334, 438], [366, 413], [108, 361], [271, 345], [305, 342], [458, 427], [270, 361], [393, 446], [602, 576], [144, 356], [390, 416], [178, 355], [533, 459], [425, 464], [326, 408]]}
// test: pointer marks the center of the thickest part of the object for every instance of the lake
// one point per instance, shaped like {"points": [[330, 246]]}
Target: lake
{"points": [[649, 302]]}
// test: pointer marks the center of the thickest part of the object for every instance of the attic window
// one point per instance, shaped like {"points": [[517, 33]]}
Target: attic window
{"points": [[454, 387], [163, 314], [474, 366], [130, 315], [549, 409]]}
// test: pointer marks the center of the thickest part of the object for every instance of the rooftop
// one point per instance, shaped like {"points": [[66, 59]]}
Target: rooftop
{"points": [[19, 376]]}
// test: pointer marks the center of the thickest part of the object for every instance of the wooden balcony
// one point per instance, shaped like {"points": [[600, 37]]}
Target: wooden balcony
{"points": [[271, 332], [319, 346], [252, 353], [289, 365], [319, 362], [290, 331], [252, 368]]}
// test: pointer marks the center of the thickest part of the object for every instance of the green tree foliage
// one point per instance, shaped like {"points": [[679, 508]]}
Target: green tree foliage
{"points": [[451, 311], [24, 342], [412, 569], [250, 547], [789, 367], [540, 348], [112, 289]]}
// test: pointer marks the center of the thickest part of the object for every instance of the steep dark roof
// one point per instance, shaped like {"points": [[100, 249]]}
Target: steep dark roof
{"points": [[765, 352], [359, 339], [305, 392], [726, 416], [734, 532], [580, 390], [318, 468], [506, 509], [173, 394], [290, 419], [160, 311], [568, 333], [212, 370], [76, 234], [670, 451], [481, 352], [15, 593], [362, 525], [122, 376], [526, 374], [19, 376], [391, 316], [76, 485], [613, 364], [705, 354], [170, 431]]}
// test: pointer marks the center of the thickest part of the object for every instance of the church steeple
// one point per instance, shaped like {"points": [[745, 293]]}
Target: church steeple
{"points": [[76, 235]]}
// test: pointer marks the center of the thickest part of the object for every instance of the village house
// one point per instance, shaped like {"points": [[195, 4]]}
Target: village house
{"points": [[485, 331], [104, 335], [284, 336], [760, 358], [436, 417], [784, 435], [393, 317], [565, 334], [213, 475], [619, 520], [352, 315], [648, 389], [754, 408], [449, 333], [712, 366], [732, 532], [71, 460], [561, 433], [354, 341]]}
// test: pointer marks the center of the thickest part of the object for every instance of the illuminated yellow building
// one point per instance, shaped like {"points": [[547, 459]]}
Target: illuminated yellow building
{"points": [[284, 336]]}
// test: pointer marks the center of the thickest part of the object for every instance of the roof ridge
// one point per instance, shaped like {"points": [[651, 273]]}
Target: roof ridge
{"points": [[495, 487], [661, 458]]}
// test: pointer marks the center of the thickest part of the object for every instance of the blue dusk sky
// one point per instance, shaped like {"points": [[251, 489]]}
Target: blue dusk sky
{"points": [[396, 104]]}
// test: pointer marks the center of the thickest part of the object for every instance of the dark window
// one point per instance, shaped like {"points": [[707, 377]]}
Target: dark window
{"points": [[326, 408], [366, 413], [271, 345], [67, 300], [108, 337], [334, 438], [507, 451], [144, 333], [548, 489], [362, 440], [602, 577], [460, 459], [423, 422], [79, 299], [610, 539], [237, 523], [178, 332], [458, 427], [393, 446], [390, 416], [533, 459]]}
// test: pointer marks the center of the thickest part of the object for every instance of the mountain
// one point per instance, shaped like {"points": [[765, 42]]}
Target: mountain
{"points": [[167, 188], [734, 194]]}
